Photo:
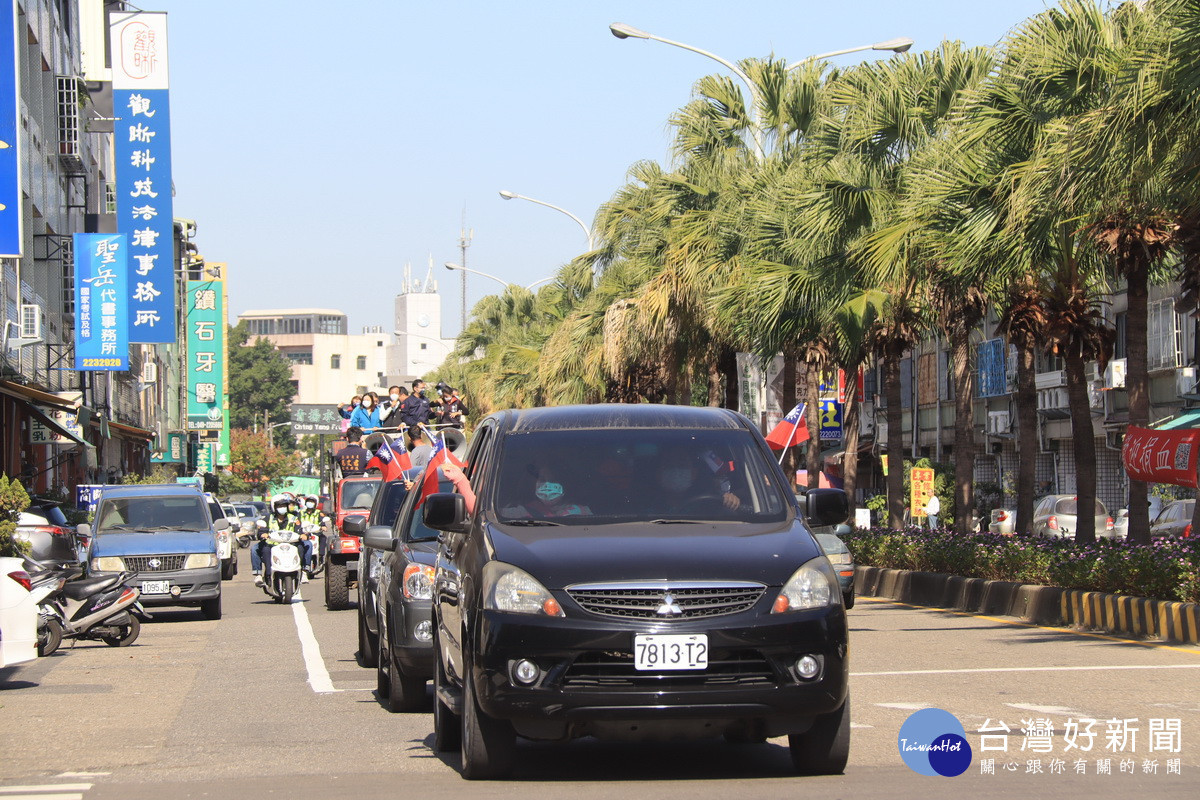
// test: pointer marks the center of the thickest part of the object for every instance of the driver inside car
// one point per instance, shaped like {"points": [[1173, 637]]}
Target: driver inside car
{"points": [[684, 484], [550, 499]]}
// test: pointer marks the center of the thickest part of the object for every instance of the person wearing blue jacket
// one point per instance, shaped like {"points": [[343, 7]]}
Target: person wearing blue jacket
{"points": [[366, 415]]}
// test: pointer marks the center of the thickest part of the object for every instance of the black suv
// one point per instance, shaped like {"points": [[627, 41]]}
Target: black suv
{"points": [[403, 602], [634, 571]]}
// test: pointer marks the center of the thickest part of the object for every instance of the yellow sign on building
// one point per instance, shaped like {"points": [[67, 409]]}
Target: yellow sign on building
{"points": [[922, 489]]}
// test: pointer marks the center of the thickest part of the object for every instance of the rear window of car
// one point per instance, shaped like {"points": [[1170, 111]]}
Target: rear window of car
{"points": [[1070, 505], [613, 475], [53, 514], [151, 514], [359, 494], [246, 511]]}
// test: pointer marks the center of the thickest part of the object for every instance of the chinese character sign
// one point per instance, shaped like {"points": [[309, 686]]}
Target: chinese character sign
{"points": [[10, 141], [1161, 456], [101, 302], [205, 355], [142, 143], [922, 490]]}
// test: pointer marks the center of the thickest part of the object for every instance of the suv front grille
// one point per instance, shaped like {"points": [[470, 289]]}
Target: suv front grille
{"points": [[160, 563], [666, 601], [615, 670]]}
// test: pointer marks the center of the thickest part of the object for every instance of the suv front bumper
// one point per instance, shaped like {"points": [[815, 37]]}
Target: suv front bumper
{"points": [[195, 585]]}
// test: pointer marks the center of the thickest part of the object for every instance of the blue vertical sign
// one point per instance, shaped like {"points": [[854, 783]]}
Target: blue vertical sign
{"points": [[142, 145], [101, 302], [10, 141]]}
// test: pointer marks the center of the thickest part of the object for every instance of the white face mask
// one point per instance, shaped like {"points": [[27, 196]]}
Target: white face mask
{"points": [[395, 397], [366, 403]]}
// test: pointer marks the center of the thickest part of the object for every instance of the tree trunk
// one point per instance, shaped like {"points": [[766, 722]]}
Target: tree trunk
{"points": [[1027, 437], [850, 440], [964, 429], [895, 435], [729, 369], [714, 377], [812, 418], [1084, 436], [1137, 383]]}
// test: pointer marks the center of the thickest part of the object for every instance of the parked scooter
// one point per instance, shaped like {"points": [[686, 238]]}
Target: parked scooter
{"points": [[281, 570], [91, 608]]}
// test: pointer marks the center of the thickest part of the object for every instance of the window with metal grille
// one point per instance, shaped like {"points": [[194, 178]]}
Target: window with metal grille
{"points": [[68, 116], [335, 361], [110, 197], [67, 253], [1164, 345], [361, 362]]}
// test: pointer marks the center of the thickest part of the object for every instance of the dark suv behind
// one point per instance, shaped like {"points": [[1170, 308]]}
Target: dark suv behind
{"points": [[633, 571]]}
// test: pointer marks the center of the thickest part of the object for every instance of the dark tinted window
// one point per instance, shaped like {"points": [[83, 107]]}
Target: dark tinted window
{"points": [[417, 531], [613, 475], [389, 508]]}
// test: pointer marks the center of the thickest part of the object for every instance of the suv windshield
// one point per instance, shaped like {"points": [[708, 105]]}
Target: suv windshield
{"points": [[359, 494], [672, 476], [148, 514]]}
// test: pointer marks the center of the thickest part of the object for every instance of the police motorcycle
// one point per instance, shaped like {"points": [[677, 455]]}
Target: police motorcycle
{"points": [[313, 525], [281, 562]]}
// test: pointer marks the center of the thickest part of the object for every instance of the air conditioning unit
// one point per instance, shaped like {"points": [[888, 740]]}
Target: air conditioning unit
{"points": [[1114, 374], [150, 372], [31, 322], [997, 422], [1186, 381]]}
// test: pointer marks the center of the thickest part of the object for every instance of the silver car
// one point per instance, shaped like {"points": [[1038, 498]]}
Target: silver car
{"points": [[1003, 521], [1175, 520], [1056, 517]]}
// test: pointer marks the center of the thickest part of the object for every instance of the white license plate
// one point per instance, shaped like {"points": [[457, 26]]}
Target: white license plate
{"points": [[156, 587], [670, 651]]}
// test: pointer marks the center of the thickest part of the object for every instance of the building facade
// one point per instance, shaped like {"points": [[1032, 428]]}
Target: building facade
{"points": [[420, 347]]}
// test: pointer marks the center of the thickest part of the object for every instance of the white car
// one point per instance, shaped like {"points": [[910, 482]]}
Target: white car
{"points": [[18, 614], [226, 551]]}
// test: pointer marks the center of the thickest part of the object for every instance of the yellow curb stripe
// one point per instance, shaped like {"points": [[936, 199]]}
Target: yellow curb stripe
{"points": [[1017, 624]]}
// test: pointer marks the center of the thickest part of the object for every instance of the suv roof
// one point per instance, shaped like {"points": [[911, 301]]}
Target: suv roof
{"points": [[151, 490], [621, 415]]}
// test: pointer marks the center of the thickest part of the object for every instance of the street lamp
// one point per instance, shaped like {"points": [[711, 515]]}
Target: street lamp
{"points": [[623, 31], [507, 195], [450, 265], [900, 45]]}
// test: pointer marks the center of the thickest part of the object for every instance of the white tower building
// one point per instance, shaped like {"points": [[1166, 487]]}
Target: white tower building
{"points": [[419, 347]]}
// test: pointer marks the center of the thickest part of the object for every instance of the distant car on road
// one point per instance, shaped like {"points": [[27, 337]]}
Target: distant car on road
{"points": [[165, 534], [1175, 520], [51, 538], [1003, 521], [843, 564], [1056, 516]]}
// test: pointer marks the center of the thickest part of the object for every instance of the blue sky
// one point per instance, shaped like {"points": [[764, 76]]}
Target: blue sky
{"points": [[321, 146]]}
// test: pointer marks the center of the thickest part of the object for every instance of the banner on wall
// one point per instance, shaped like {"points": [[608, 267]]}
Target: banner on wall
{"points": [[1161, 456], [11, 215], [205, 355], [101, 302]]}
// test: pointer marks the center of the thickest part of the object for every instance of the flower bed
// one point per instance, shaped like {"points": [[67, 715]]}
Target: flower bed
{"points": [[1168, 569]]}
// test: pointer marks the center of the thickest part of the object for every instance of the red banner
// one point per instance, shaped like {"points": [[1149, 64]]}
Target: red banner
{"points": [[1156, 456]]}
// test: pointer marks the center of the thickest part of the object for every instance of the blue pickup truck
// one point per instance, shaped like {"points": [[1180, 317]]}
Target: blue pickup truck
{"points": [[165, 534]]}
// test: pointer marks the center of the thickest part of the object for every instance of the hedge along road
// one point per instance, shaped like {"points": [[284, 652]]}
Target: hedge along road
{"points": [[230, 707]]}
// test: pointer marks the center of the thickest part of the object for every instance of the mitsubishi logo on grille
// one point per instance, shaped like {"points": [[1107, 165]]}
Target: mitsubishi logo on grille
{"points": [[669, 607], [154, 563]]}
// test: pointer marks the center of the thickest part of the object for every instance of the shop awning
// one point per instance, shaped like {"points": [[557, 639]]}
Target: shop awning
{"points": [[28, 393], [130, 431], [1187, 419]]}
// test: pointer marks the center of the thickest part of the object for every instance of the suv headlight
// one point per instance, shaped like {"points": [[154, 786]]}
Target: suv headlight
{"points": [[508, 588], [108, 564], [200, 560], [418, 581], [812, 586]]}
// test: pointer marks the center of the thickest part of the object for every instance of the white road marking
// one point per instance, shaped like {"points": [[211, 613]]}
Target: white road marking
{"points": [[860, 725], [1054, 711], [54, 796], [48, 787], [1017, 669], [82, 774], [318, 676], [904, 706]]}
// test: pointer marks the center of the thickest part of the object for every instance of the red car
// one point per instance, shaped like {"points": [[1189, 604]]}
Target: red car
{"points": [[353, 495]]}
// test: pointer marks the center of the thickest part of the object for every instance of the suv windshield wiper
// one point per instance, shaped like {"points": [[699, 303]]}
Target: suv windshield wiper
{"points": [[529, 523], [674, 522], [155, 528]]}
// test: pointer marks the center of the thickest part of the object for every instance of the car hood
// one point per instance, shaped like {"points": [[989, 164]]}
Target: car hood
{"points": [[422, 552], [563, 556], [157, 543]]}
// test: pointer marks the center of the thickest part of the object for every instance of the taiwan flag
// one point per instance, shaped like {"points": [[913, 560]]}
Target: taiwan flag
{"points": [[441, 454], [391, 461], [791, 430]]}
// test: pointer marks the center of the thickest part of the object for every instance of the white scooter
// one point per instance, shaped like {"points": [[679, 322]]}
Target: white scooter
{"points": [[315, 533], [283, 567]]}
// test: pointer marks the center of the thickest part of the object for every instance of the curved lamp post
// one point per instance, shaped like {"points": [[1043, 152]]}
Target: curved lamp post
{"points": [[900, 45], [507, 195], [450, 265]]}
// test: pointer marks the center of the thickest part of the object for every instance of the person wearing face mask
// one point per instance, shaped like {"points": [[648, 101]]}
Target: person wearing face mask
{"points": [[415, 410], [685, 487], [389, 412], [366, 416], [347, 409], [550, 499]]}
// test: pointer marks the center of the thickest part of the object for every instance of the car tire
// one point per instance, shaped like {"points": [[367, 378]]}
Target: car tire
{"points": [[211, 609], [488, 745], [227, 567], [399, 692], [368, 643], [337, 587], [129, 634], [825, 747], [447, 730], [234, 558], [848, 598]]}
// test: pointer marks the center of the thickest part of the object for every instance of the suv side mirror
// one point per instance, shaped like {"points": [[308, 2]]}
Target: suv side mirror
{"points": [[379, 537], [827, 507], [83, 530], [446, 511], [354, 525], [221, 524]]}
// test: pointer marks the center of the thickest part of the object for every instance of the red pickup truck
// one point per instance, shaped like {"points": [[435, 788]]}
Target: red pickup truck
{"points": [[353, 495]]}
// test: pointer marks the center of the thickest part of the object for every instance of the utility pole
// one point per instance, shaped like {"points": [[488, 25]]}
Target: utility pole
{"points": [[464, 241]]}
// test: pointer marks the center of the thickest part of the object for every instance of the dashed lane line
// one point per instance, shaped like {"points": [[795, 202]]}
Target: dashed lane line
{"points": [[318, 676]]}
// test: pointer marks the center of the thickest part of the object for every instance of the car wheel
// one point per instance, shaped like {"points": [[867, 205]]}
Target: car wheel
{"points": [[848, 598], [447, 730], [401, 693], [383, 686], [211, 609], [825, 747], [234, 560], [368, 643], [227, 569], [337, 588], [488, 745], [128, 635]]}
